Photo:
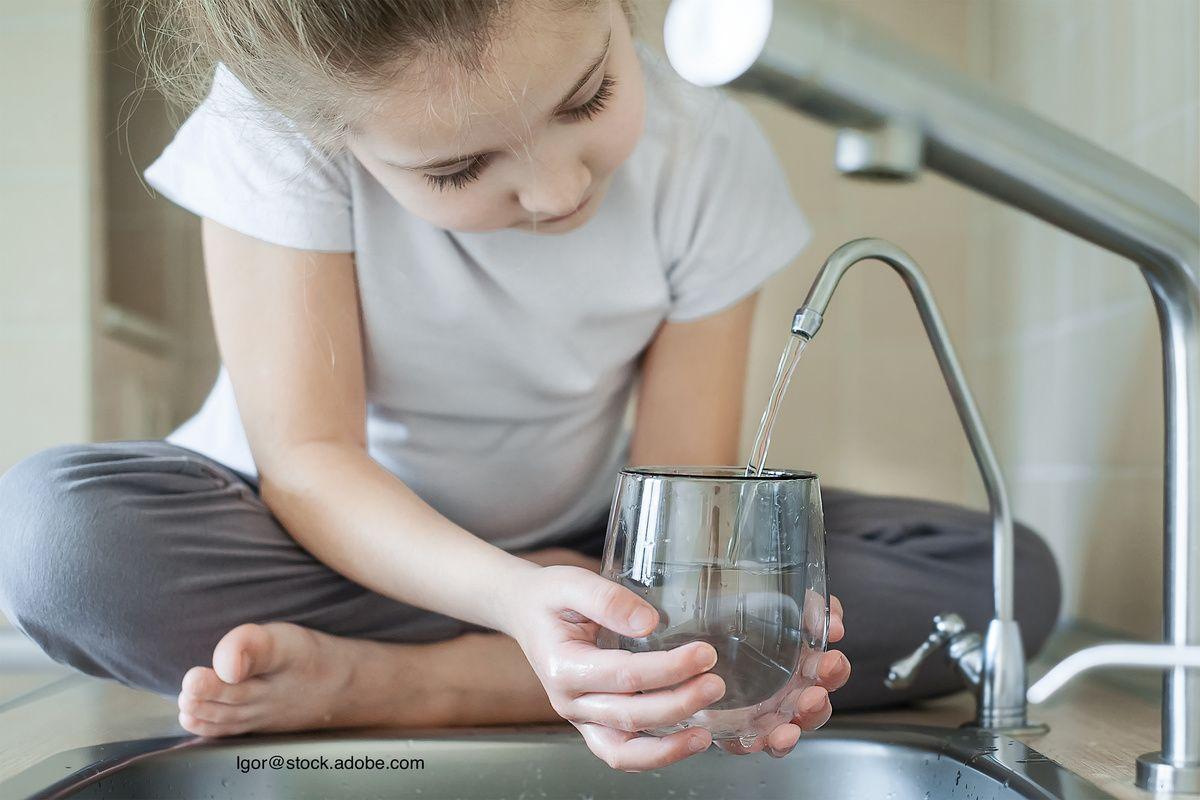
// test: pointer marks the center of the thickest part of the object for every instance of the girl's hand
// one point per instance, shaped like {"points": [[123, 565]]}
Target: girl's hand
{"points": [[610, 695], [813, 708]]}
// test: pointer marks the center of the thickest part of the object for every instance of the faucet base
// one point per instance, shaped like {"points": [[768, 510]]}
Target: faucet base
{"points": [[1001, 699], [1154, 774]]}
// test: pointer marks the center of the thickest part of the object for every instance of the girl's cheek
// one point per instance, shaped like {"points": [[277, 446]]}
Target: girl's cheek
{"points": [[462, 209], [620, 129], [471, 208]]}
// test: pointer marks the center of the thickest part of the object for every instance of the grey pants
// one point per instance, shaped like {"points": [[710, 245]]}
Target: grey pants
{"points": [[130, 560]]}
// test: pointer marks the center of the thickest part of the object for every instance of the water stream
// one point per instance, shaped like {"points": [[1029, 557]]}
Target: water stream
{"points": [[783, 376], [762, 440]]}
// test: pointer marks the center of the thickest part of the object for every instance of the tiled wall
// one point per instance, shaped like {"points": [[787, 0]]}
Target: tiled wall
{"points": [[1062, 334], [47, 231], [1057, 337]]}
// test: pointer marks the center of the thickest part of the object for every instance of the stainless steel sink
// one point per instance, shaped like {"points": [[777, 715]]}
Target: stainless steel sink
{"points": [[859, 761]]}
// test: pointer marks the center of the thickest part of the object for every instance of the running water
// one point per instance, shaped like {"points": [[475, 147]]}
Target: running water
{"points": [[783, 376], [762, 441]]}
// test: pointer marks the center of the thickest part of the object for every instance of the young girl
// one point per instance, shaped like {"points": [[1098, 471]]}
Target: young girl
{"points": [[443, 240]]}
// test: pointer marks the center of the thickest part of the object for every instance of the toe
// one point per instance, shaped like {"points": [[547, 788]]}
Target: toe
{"points": [[203, 683], [212, 711], [245, 651], [205, 728]]}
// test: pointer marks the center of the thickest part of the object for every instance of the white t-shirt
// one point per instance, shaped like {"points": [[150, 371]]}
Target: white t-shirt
{"points": [[499, 365]]}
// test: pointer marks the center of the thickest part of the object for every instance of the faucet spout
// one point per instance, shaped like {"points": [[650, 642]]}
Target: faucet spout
{"points": [[815, 58], [1001, 697]]}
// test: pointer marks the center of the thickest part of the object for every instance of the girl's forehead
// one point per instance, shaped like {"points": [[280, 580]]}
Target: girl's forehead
{"points": [[439, 107]]}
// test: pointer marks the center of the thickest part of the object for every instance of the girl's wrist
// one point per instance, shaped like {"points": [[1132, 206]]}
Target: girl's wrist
{"points": [[507, 593]]}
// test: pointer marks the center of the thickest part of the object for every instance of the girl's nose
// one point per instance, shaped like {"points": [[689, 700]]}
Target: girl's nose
{"points": [[555, 189]]}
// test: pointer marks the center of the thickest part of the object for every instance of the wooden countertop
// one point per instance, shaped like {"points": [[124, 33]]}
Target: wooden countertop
{"points": [[1096, 730]]}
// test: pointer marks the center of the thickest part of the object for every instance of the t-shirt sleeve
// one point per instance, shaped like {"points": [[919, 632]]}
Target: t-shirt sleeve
{"points": [[245, 167], [731, 221]]}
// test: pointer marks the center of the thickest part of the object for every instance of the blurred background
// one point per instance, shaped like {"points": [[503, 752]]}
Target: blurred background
{"points": [[105, 333]]}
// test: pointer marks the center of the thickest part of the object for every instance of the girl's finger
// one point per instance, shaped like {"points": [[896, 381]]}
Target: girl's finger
{"points": [[589, 669], [638, 712], [833, 670], [814, 709], [837, 629], [631, 753], [781, 740], [607, 603], [835, 606]]}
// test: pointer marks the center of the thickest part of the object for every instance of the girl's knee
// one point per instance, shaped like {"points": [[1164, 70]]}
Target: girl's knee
{"points": [[36, 533], [70, 556]]}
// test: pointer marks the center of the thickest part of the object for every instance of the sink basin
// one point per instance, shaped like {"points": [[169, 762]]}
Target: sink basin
{"points": [[847, 761]]}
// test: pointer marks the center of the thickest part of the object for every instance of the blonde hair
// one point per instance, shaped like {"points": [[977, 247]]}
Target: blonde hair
{"points": [[315, 62]]}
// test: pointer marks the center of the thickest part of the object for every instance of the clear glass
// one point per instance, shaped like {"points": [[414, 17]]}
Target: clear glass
{"points": [[735, 560]]}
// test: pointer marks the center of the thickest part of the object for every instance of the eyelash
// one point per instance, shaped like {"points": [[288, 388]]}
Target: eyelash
{"points": [[587, 111], [457, 180], [598, 102]]}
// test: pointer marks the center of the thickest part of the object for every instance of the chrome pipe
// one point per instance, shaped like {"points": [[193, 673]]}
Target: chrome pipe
{"points": [[1002, 686], [822, 62], [1129, 655]]}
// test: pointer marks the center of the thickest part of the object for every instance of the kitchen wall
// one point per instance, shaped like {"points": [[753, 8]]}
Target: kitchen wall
{"points": [[156, 352], [1062, 339], [1057, 338], [49, 230]]}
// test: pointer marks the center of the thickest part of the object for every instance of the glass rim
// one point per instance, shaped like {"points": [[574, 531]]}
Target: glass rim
{"points": [[717, 473]]}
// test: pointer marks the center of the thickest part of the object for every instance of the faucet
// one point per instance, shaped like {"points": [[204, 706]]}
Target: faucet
{"points": [[898, 112], [994, 666], [1122, 654]]}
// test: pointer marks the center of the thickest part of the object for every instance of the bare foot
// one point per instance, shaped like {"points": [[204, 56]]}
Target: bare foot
{"points": [[282, 677]]}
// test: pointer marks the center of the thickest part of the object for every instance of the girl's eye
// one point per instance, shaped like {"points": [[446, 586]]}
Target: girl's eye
{"points": [[597, 104], [457, 180], [470, 172]]}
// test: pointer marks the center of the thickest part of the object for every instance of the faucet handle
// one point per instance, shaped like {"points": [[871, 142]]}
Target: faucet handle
{"points": [[947, 626]]}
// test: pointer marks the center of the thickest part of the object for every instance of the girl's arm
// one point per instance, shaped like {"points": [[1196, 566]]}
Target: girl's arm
{"points": [[287, 324], [689, 406]]}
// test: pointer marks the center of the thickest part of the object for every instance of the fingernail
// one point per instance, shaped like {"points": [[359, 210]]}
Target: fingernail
{"points": [[706, 657], [641, 619], [829, 667], [713, 690], [696, 743]]}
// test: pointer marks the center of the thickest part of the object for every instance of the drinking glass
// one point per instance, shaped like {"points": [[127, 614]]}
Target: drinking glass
{"points": [[734, 560]]}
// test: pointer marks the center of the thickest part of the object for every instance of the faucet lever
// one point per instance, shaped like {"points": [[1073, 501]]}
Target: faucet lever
{"points": [[947, 627]]}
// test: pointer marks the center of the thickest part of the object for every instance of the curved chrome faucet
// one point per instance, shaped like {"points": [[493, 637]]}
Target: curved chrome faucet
{"points": [[1000, 683], [819, 60]]}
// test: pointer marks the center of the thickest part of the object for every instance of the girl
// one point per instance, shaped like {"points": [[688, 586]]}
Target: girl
{"points": [[443, 240]]}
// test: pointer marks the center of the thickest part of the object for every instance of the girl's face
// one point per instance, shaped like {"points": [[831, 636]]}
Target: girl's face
{"points": [[531, 142]]}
